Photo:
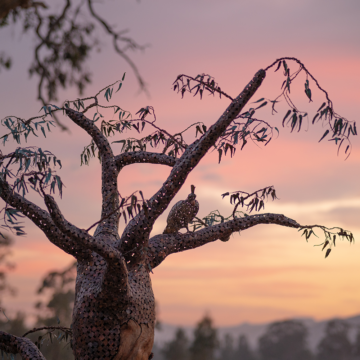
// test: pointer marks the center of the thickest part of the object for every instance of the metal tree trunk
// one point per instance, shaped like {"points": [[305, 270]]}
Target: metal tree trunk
{"points": [[115, 328]]}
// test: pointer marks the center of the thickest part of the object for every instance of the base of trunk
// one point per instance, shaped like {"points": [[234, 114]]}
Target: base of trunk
{"points": [[136, 341]]}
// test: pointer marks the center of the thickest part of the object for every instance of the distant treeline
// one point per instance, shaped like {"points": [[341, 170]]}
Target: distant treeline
{"points": [[283, 340], [58, 286]]}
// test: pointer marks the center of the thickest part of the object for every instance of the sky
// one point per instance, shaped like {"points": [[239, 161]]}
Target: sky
{"points": [[268, 272]]}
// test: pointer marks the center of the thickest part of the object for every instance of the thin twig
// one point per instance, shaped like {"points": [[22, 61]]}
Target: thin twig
{"points": [[62, 328]]}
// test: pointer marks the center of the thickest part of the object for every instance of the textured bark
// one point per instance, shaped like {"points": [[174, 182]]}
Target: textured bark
{"points": [[42, 220], [160, 246], [143, 157], [19, 345], [114, 310]]}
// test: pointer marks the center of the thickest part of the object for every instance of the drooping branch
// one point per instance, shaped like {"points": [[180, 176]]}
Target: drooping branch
{"points": [[42, 220], [64, 41], [255, 199], [119, 37], [19, 345], [160, 246], [109, 171], [143, 157], [302, 66], [134, 234], [339, 128]]}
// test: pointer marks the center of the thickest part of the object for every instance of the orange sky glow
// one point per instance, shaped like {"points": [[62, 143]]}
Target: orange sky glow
{"points": [[265, 273]]}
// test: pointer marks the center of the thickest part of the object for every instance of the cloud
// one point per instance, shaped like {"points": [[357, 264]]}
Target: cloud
{"points": [[348, 217]]}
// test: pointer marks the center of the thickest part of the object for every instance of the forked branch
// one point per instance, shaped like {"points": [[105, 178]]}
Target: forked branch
{"points": [[108, 252], [195, 152], [42, 220], [191, 157]]}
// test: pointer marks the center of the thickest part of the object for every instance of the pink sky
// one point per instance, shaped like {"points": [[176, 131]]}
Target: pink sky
{"points": [[268, 272]]}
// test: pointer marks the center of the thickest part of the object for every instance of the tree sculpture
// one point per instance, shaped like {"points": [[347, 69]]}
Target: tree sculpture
{"points": [[113, 316]]}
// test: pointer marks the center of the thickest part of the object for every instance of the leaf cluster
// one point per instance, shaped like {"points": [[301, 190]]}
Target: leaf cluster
{"points": [[55, 333], [5, 62], [173, 145], [258, 131], [27, 159], [32, 168], [339, 128], [129, 207], [254, 201], [240, 132], [19, 127], [331, 236], [213, 218], [199, 85], [5, 355]]}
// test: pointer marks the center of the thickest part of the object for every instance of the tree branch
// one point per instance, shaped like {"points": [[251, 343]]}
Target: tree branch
{"points": [[20, 345], [115, 278], [80, 236], [160, 246], [138, 229], [143, 157], [42, 220], [195, 152], [110, 199], [51, 328], [131, 44]]}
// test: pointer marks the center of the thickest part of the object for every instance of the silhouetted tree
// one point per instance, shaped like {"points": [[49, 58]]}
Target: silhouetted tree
{"points": [[60, 285], [356, 346], [52, 333], [227, 351], [284, 340], [5, 266], [205, 341], [335, 344], [114, 309], [14, 325], [243, 350], [177, 349]]}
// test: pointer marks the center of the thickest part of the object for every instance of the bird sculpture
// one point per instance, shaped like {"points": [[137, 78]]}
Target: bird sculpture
{"points": [[182, 213]]}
